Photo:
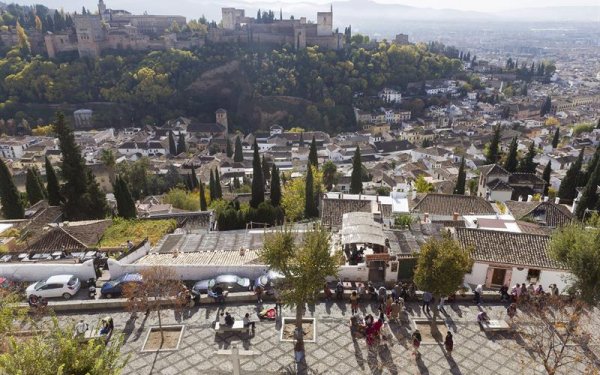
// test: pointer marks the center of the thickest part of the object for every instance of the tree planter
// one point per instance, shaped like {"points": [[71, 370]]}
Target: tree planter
{"points": [[288, 328], [432, 333], [172, 339]]}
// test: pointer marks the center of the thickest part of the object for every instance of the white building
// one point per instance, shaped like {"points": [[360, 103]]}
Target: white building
{"points": [[83, 118], [507, 258], [390, 95]]}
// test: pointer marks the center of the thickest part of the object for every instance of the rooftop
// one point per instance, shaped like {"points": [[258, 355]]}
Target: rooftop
{"points": [[447, 205]]}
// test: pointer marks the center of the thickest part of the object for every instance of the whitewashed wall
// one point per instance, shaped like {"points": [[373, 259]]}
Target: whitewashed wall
{"points": [[477, 275], [37, 271]]}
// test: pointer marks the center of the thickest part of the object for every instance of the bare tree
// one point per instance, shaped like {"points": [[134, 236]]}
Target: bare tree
{"points": [[557, 332], [160, 288]]}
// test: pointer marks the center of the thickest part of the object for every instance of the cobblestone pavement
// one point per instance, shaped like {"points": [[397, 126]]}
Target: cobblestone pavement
{"points": [[334, 352]]}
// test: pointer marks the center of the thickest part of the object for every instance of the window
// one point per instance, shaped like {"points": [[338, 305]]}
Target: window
{"points": [[533, 275]]}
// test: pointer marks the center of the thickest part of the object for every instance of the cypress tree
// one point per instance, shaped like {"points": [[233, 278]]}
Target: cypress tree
{"points": [[218, 190], [236, 183], [546, 107], [266, 170], [275, 187], [194, 178], [125, 203], [510, 164], [12, 207], [556, 138], [82, 196], [203, 205], [310, 208], [546, 177], [54, 197], [95, 199], [229, 148], [527, 165], [301, 142], [568, 186], [312, 154], [493, 153], [356, 186], [592, 165], [211, 186], [238, 155], [181, 148], [33, 188], [258, 185], [459, 189], [588, 195], [172, 145], [38, 177]]}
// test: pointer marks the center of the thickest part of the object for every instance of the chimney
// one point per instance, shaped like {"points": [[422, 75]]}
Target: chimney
{"points": [[546, 198], [414, 194], [529, 198], [426, 217], [575, 202], [557, 200], [455, 216]]}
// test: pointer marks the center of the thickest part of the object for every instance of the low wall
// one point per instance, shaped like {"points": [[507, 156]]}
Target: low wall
{"points": [[25, 271], [190, 271]]}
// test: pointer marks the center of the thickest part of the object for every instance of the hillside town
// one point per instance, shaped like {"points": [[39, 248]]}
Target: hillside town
{"points": [[497, 165]]}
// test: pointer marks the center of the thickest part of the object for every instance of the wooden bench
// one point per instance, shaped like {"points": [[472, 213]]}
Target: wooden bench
{"points": [[494, 326], [238, 326]]}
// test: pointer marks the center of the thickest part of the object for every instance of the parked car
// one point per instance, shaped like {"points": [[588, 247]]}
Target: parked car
{"points": [[114, 288], [65, 286], [229, 283], [267, 281]]}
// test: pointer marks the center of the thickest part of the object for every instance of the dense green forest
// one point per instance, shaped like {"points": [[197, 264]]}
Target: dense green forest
{"points": [[312, 88]]}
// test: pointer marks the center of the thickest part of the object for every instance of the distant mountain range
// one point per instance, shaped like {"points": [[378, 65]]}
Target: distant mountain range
{"points": [[366, 14]]}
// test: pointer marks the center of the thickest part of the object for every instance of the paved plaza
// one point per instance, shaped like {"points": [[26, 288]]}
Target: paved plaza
{"points": [[334, 352]]}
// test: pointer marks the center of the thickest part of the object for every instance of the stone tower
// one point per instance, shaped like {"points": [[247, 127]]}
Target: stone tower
{"points": [[325, 23], [101, 8], [221, 115]]}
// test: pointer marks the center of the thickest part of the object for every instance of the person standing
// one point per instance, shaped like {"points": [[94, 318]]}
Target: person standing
{"points": [[416, 339], [395, 310], [381, 293], [277, 297], [354, 302], [478, 293], [449, 343], [339, 291], [248, 323], [258, 291], [388, 305], [441, 304], [427, 297], [327, 292]]}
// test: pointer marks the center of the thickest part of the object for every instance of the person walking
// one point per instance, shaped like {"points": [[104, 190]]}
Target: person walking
{"points": [[441, 304], [427, 297], [278, 305], [416, 339], [248, 323], [395, 310], [354, 302], [388, 305], [449, 343], [478, 293], [258, 290], [327, 292], [339, 291], [381, 293]]}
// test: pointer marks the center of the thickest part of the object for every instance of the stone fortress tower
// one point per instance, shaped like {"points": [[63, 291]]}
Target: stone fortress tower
{"points": [[221, 116], [325, 23]]}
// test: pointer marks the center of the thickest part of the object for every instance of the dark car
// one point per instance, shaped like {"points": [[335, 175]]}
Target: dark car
{"points": [[267, 281], [229, 283], [114, 288]]}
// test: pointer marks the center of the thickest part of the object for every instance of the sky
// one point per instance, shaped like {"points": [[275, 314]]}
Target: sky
{"points": [[474, 5]]}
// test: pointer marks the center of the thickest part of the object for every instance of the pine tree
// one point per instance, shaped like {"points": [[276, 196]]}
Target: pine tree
{"points": [[12, 207], [356, 186], [258, 185], [493, 153], [229, 148], [52, 187], [546, 177], [218, 189], [211, 186], [125, 203], [459, 189], [172, 144], [203, 205], [588, 195], [568, 186], [556, 138], [310, 208], [527, 165], [193, 178], [33, 188], [275, 187], [238, 155], [181, 148], [511, 162], [312, 154], [266, 170]]}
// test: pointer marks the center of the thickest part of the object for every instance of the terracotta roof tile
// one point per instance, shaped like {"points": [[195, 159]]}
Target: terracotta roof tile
{"points": [[448, 204]]}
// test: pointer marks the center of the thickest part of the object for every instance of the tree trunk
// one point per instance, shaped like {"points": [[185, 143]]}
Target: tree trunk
{"points": [[299, 331], [162, 335]]}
